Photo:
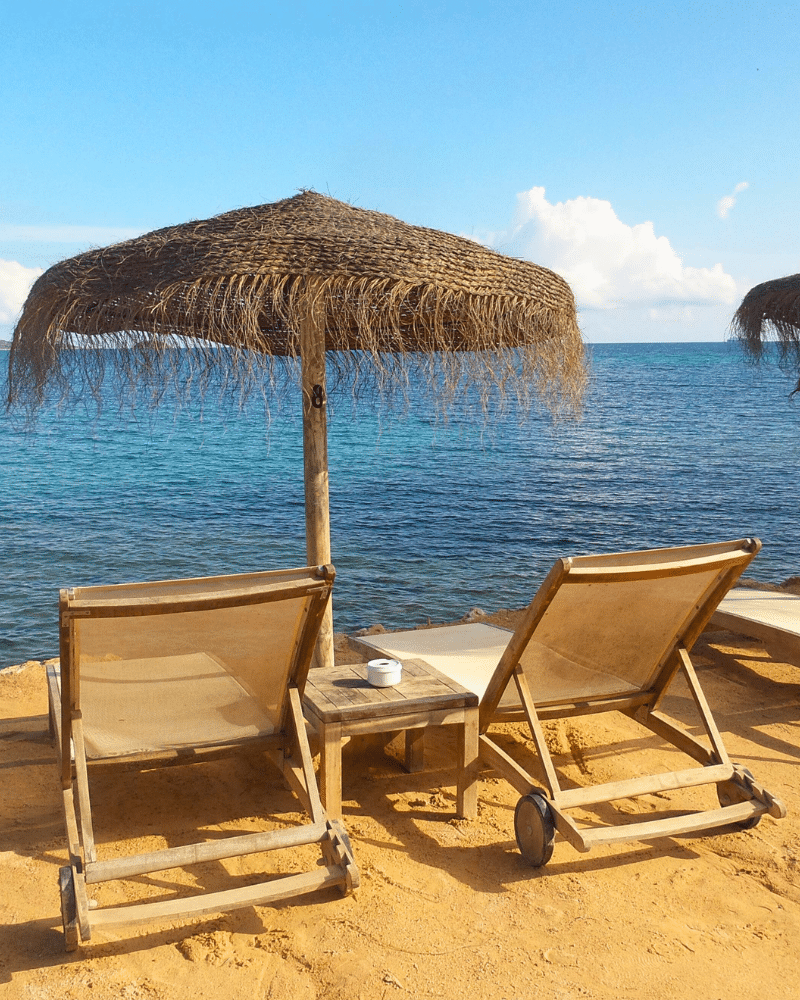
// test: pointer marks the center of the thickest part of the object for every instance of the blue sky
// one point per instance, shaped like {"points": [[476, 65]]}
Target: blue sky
{"points": [[647, 152]]}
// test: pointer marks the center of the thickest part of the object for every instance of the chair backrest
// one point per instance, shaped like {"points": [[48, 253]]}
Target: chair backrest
{"points": [[610, 625], [232, 644]]}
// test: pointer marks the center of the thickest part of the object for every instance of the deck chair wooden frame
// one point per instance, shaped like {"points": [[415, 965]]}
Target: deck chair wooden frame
{"points": [[286, 744], [708, 572]]}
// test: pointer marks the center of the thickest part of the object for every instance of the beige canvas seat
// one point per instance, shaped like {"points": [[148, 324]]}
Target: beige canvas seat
{"points": [[177, 672], [603, 633], [772, 616]]}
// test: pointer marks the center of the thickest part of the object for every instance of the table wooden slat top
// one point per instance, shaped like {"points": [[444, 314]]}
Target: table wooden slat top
{"points": [[343, 693]]}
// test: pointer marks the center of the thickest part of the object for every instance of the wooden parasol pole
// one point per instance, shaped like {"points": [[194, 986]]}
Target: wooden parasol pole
{"points": [[315, 461]]}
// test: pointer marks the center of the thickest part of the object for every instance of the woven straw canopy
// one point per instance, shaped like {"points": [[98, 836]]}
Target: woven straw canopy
{"points": [[771, 311], [310, 282], [247, 279]]}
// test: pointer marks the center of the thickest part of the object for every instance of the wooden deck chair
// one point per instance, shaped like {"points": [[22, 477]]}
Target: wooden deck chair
{"points": [[176, 672], [603, 633]]}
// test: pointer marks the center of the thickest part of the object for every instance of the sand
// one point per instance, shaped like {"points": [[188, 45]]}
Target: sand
{"points": [[446, 907]]}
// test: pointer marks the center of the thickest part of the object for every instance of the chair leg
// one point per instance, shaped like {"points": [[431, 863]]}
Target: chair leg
{"points": [[339, 851], [69, 908]]}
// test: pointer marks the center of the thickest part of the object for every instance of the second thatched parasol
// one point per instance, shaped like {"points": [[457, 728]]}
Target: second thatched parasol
{"points": [[305, 278], [771, 312]]}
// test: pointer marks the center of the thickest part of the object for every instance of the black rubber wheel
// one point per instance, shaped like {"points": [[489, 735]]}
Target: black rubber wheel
{"points": [[69, 908], [534, 829], [730, 793]]}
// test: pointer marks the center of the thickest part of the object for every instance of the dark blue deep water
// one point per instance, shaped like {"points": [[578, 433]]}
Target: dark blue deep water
{"points": [[679, 443]]}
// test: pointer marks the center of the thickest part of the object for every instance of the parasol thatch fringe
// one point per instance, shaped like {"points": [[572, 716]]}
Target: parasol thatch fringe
{"points": [[770, 312], [170, 311], [366, 321]]}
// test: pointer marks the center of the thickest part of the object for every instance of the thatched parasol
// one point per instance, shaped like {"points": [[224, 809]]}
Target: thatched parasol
{"points": [[300, 278], [771, 311]]}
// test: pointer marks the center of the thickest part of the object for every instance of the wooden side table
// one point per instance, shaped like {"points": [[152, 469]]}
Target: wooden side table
{"points": [[339, 702]]}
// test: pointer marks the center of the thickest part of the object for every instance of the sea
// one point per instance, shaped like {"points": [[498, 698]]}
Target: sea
{"points": [[432, 514]]}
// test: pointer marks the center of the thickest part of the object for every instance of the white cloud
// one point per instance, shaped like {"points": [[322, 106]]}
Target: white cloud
{"points": [[608, 263], [15, 283], [724, 205], [656, 324]]}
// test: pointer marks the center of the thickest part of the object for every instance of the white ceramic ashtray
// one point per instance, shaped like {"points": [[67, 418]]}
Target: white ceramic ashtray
{"points": [[384, 673]]}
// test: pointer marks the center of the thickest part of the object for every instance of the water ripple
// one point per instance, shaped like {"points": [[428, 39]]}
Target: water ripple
{"points": [[680, 443]]}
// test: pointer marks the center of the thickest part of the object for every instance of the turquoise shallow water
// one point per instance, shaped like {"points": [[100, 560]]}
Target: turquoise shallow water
{"points": [[679, 443]]}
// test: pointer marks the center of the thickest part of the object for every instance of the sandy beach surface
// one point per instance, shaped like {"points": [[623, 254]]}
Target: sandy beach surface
{"points": [[446, 907]]}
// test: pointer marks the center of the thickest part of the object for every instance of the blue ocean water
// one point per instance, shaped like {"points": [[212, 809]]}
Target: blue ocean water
{"points": [[679, 443]]}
